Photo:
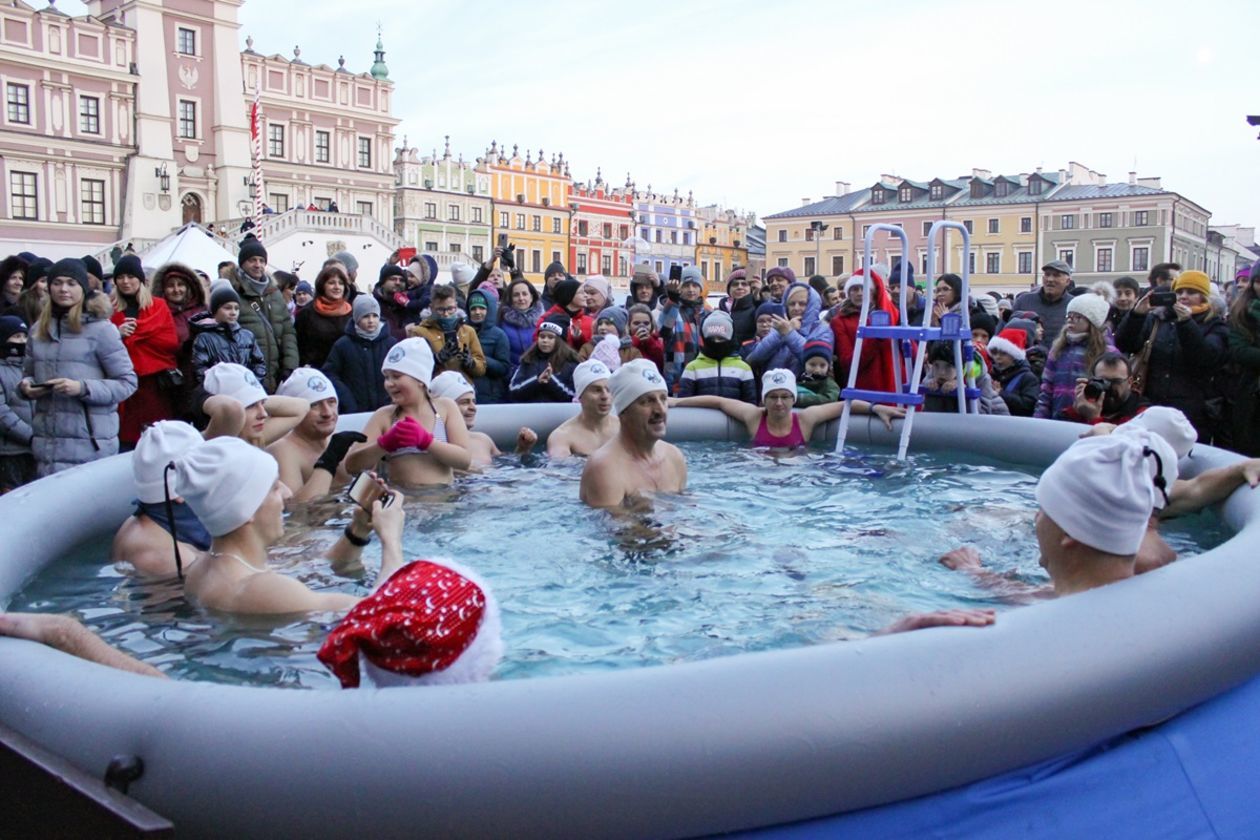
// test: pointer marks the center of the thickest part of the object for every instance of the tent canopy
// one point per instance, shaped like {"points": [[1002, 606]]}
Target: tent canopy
{"points": [[191, 245]]}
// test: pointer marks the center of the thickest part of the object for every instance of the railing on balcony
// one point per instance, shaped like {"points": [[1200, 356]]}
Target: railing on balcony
{"points": [[320, 221]]}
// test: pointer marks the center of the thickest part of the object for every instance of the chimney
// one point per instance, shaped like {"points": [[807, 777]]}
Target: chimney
{"points": [[981, 173], [842, 188], [1153, 183], [1062, 176], [805, 201], [1132, 177], [1102, 179], [1038, 170]]}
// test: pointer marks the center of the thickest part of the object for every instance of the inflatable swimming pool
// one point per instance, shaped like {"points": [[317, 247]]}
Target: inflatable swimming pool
{"points": [[722, 745]]}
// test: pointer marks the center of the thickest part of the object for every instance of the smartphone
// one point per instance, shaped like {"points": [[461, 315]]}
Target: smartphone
{"points": [[1163, 298], [364, 491], [675, 272], [503, 240]]}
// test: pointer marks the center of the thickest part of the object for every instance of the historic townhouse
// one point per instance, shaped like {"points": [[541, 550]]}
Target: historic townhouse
{"points": [[668, 230], [603, 222], [722, 246], [531, 206], [817, 237], [442, 204]]}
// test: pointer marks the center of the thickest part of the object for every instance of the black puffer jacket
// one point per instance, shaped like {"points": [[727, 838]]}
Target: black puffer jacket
{"points": [[214, 342], [354, 366], [1185, 358], [1019, 387]]}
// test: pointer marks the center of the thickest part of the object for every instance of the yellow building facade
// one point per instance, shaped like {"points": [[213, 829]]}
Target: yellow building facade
{"points": [[721, 247], [531, 206]]}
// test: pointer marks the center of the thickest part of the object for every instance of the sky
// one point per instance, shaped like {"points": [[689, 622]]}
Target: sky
{"points": [[756, 105]]}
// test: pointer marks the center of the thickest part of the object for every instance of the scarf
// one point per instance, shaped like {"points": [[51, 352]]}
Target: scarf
{"points": [[188, 527], [369, 336], [1199, 309], [1076, 337], [259, 286], [331, 308], [524, 320]]}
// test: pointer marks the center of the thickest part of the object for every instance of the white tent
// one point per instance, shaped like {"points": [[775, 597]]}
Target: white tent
{"points": [[192, 246]]}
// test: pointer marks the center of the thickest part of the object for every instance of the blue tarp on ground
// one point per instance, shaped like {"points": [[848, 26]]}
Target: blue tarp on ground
{"points": [[1198, 775]]}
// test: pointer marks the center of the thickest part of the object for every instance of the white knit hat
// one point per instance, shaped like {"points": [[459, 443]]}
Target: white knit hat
{"points": [[632, 380], [592, 370], [224, 481], [1169, 423], [1091, 307], [413, 357], [600, 283], [1101, 492], [462, 275], [450, 384], [778, 379], [308, 383], [161, 443], [228, 379]]}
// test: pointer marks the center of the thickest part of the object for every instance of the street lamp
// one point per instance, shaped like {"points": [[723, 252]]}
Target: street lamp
{"points": [[164, 179], [818, 228]]}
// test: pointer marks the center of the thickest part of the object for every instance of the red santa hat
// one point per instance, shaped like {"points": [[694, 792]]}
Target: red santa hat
{"points": [[1012, 341], [432, 622]]}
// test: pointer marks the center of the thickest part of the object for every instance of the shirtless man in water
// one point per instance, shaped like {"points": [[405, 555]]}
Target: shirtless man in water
{"points": [[637, 460], [595, 424], [310, 455]]}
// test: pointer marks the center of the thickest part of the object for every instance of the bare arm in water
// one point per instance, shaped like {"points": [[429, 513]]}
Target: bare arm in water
{"points": [[967, 559], [1209, 487], [69, 636]]}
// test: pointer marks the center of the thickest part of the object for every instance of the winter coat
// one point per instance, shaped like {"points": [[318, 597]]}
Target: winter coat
{"points": [[214, 342], [267, 317], [182, 315], [989, 401], [788, 351], [581, 326], [519, 327], [826, 391], [651, 348], [16, 411], [680, 331], [1058, 381], [1019, 388], [1053, 315], [491, 387], [465, 339], [396, 316], [154, 343], [316, 334], [744, 316], [1185, 358], [875, 368], [69, 431], [1244, 352], [525, 386], [354, 366], [730, 377]]}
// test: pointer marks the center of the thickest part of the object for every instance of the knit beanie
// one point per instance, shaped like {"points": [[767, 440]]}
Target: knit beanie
{"points": [[984, 321], [229, 379], [1091, 307], [1195, 281], [771, 308], [308, 383], [73, 268], [691, 274], [225, 481], [463, 275], [345, 258], [36, 269], [781, 271], [556, 324], [821, 349], [10, 324], [1101, 492], [304, 288], [1010, 341], [565, 291], [632, 380], [717, 324], [618, 315], [159, 444], [1169, 423], [450, 384], [130, 265], [599, 283], [778, 379], [737, 274], [390, 270], [556, 267], [251, 247], [364, 305], [590, 371], [222, 294], [412, 357], [93, 266]]}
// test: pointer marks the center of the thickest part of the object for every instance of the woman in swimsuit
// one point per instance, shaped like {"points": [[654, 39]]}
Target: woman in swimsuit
{"points": [[424, 439], [777, 426]]}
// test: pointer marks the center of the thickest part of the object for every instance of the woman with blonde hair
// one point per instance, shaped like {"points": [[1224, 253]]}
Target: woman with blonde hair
{"points": [[77, 371], [148, 332]]}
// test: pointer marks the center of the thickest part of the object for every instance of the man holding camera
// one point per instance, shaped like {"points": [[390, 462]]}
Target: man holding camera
{"points": [[1107, 396]]}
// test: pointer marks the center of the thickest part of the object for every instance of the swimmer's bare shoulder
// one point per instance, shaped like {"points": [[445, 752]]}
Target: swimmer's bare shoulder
{"points": [[290, 460], [602, 485], [677, 468]]}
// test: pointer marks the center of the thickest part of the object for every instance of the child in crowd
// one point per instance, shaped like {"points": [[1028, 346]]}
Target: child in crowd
{"points": [[718, 371], [613, 320], [816, 385], [766, 314], [354, 363], [941, 384], [17, 464], [643, 337], [1080, 343], [1019, 385], [223, 339], [545, 373]]}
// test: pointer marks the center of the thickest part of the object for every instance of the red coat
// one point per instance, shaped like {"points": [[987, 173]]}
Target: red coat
{"points": [[875, 368], [581, 326], [153, 345]]}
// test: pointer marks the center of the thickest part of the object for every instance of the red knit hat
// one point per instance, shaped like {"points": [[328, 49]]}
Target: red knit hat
{"points": [[431, 622], [1012, 341]]}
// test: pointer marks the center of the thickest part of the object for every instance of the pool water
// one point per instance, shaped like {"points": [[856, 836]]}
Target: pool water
{"points": [[761, 553]]}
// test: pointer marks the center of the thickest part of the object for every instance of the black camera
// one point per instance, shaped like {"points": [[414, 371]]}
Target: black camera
{"points": [[1163, 299], [1095, 388]]}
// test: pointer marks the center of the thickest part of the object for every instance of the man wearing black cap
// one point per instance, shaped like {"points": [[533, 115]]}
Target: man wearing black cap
{"points": [[1051, 299], [265, 313], [393, 299]]}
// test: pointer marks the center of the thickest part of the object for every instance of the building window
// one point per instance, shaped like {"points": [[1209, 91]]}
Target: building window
{"points": [[927, 228], [280, 202], [1067, 222], [608, 231], [537, 224], [366, 208], [365, 152], [605, 264], [503, 218], [1102, 259], [275, 141], [476, 215], [323, 142], [188, 120], [186, 41], [454, 247], [581, 264], [971, 262], [1068, 255], [1036, 186], [1141, 218], [431, 247], [1025, 262], [673, 237], [837, 265], [967, 224], [1104, 220], [582, 227], [646, 237], [977, 189], [809, 266], [905, 194], [809, 234], [992, 263], [535, 260], [993, 225], [92, 195], [478, 254], [556, 226], [555, 256], [837, 232], [783, 235], [520, 221], [936, 193], [89, 115], [658, 234], [18, 98], [877, 196], [1025, 224], [452, 212], [623, 233], [22, 198], [430, 210], [1001, 188], [622, 267], [1141, 259], [783, 263]]}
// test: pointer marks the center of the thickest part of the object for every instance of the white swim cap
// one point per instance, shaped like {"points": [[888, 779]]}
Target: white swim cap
{"points": [[413, 357], [632, 380], [228, 379], [309, 384]]}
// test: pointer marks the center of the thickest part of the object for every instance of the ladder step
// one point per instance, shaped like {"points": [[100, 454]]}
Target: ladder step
{"points": [[909, 333], [969, 393], [881, 396]]}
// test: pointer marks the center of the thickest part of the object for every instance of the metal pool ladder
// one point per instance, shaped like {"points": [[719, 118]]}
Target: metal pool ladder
{"points": [[911, 340]]}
